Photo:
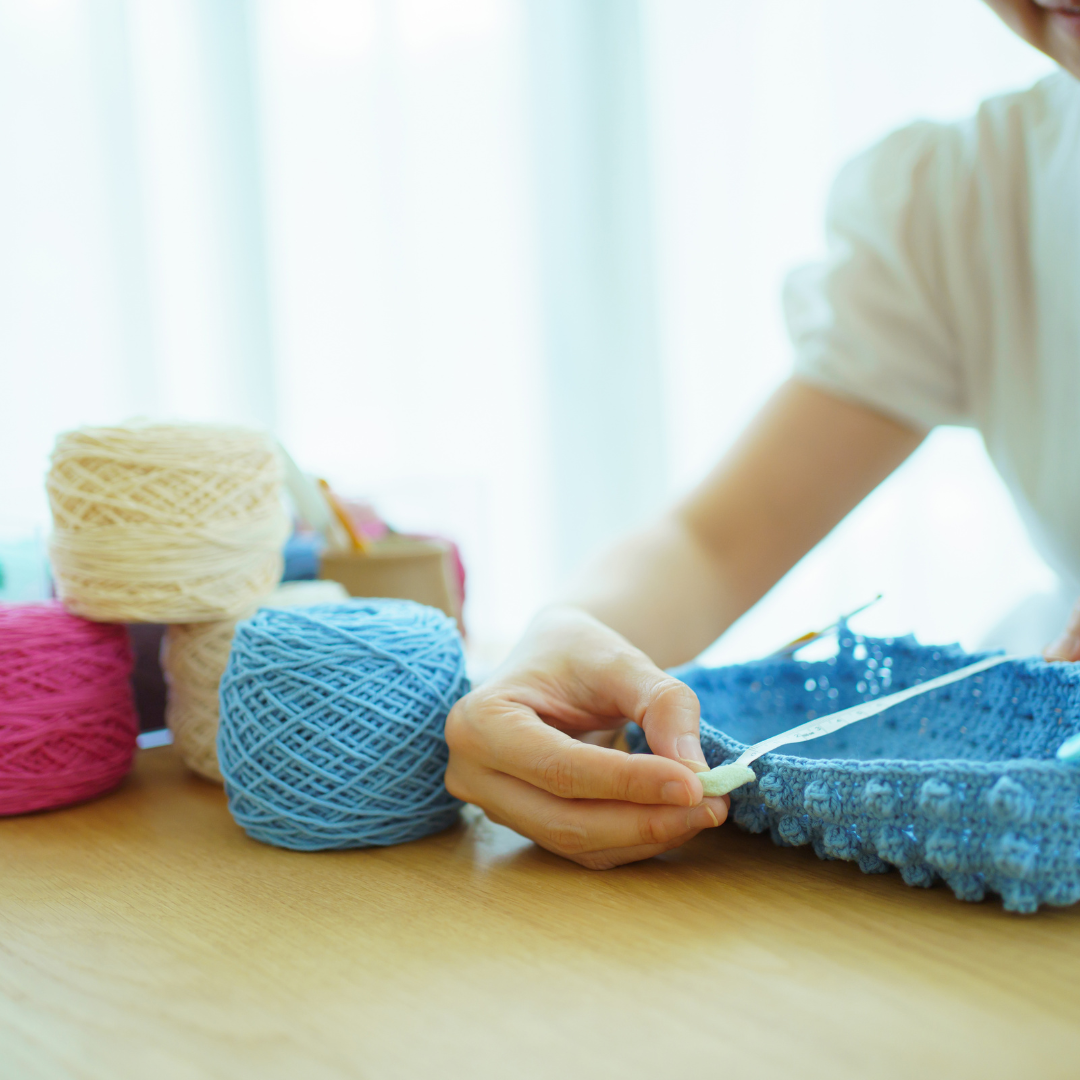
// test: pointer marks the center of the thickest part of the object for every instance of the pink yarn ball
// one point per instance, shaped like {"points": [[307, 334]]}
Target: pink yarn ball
{"points": [[67, 715]]}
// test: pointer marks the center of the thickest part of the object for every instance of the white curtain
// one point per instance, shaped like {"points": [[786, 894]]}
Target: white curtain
{"points": [[508, 267]]}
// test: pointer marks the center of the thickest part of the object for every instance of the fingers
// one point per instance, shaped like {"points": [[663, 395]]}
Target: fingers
{"points": [[626, 684], [667, 710], [512, 751], [671, 723], [594, 678], [510, 738], [1067, 645], [598, 834]]}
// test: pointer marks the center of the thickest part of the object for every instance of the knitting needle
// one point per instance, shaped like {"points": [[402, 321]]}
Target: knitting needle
{"points": [[359, 542], [725, 778], [814, 635]]}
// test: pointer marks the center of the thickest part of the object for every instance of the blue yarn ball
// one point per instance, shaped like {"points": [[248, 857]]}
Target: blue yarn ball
{"points": [[331, 732]]}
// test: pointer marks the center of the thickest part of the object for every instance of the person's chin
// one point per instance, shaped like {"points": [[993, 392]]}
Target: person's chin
{"points": [[1063, 37]]}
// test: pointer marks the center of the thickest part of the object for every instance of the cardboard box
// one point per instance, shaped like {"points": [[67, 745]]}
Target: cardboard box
{"points": [[400, 567]]}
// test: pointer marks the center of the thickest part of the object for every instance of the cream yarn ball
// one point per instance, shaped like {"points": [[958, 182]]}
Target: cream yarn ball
{"points": [[193, 657], [168, 523]]}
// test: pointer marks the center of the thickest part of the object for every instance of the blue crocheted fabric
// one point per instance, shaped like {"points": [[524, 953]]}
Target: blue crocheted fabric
{"points": [[959, 784]]}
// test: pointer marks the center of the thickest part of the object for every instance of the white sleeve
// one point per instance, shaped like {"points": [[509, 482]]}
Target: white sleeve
{"points": [[872, 322]]}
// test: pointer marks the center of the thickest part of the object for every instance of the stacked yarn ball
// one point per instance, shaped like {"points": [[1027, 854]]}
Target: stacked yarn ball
{"points": [[67, 716], [167, 523], [193, 657], [332, 719]]}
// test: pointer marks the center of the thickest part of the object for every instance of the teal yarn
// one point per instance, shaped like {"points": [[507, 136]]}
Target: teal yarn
{"points": [[331, 730]]}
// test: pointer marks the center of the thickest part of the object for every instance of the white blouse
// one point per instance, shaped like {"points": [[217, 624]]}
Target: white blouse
{"points": [[951, 294]]}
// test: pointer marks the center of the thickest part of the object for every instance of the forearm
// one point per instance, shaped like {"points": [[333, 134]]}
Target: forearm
{"points": [[662, 590], [807, 459]]}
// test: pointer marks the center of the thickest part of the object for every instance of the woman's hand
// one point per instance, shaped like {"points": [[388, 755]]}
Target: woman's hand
{"points": [[514, 753], [1067, 646]]}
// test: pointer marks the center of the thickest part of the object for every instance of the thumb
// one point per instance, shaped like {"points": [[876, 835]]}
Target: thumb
{"points": [[669, 713]]}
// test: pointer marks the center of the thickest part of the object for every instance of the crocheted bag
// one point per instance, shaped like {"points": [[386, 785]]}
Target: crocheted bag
{"points": [[961, 783]]}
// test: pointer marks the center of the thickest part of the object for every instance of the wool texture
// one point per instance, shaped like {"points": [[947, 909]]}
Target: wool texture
{"points": [[959, 785], [332, 719], [193, 658], [167, 523], [67, 715]]}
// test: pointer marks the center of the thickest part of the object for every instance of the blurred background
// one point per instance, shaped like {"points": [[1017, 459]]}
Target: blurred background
{"points": [[510, 269]]}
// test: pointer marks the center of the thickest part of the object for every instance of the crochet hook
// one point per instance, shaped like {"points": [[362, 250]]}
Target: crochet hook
{"points": [[794, 646], [725, 778]]}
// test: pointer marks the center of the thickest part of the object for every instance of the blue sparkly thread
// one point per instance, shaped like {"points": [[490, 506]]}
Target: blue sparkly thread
{"points": [[332, 717], [960, 785]]}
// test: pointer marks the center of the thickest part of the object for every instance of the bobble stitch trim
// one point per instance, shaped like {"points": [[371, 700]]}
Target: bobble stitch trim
{"points": [[921, 877], [878, 799], [1010, 802], [752, 818], [794, 829], [821, 801], [840, 843], [937, 800], [1015, 856]]}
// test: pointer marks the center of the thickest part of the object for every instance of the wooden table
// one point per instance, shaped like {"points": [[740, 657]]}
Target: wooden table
{"points": [[144, 936]]}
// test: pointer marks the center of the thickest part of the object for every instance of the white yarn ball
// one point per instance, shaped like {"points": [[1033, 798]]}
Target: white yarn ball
{"points": [[193, 658], [170, 523]]}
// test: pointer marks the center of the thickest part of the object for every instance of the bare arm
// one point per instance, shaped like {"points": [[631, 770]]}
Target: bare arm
{"points": [[658, 599], [806, 460]]}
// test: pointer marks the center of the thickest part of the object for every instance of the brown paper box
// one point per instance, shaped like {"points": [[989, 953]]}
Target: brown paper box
{"points": [[396, 566]]}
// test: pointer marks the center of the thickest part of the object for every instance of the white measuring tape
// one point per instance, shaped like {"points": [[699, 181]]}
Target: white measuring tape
{"points": [[725, 778]]}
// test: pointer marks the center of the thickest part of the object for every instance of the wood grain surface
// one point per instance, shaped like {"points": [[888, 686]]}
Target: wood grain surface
{"points": [[144, 936]]}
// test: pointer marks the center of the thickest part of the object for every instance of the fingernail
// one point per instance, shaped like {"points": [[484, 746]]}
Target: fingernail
{"points": [[701, 817], [676, 793], [689, 749]]}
